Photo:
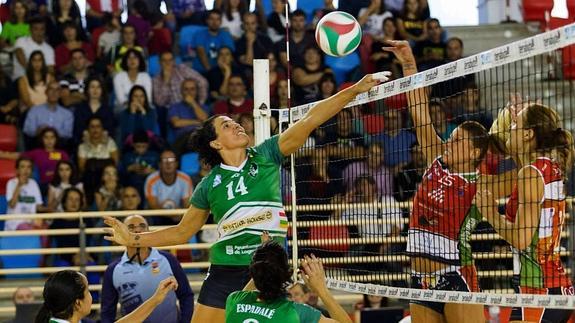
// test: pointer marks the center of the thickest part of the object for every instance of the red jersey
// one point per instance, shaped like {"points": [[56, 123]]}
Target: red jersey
{"points": [[443, 216], [540, 263]]}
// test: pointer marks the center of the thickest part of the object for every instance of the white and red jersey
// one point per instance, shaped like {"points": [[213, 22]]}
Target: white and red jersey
{"points": [[541, 265], [443, 216]]}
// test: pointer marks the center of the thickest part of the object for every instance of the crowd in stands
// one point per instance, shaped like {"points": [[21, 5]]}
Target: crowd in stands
{"points": [[102, 130]]}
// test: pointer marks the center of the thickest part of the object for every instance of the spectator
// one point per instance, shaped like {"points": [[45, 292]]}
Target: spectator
{"points": [[410, 24], [246, 120], [232, 13], [396, 140], [454, 49], [372, 165], [371, 19], [282, 95], [431, 52], [133, 73], [208, 42], [70, 43], [23, 295], [189, 12], [107, 196], [17, 26], [161, 36], [306, 76], [133, 278], [97, 145], [167, 86], [50, 114], [139, 17], [116, 55], [9, 111], [442, 125], [277, 74], [65, 12], [469, 109], [252, 44], [72, 201], [276, 21], [300, 40], [131, 199], [205, 169], [189, 114], [95, 105], [73, 82], [395, 6], [385, 61], [32, 85], [45, 158], [23, 196], [139, 162], [139, 115], [300, 293], [96, 10], [406, 180], [237, 101], [66, 176], [327, 87], [168, 188], [353, 6], [110, 35], [369, 301], [219, 76], [328, 7]]}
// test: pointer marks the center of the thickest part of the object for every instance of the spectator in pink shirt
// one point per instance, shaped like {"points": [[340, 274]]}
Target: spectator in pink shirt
{"points": [[372, 165]]}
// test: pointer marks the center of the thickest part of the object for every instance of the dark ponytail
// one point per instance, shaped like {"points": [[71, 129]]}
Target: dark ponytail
{"points": [[270, 270], [61, 291], [564, 150], [200, 141]]}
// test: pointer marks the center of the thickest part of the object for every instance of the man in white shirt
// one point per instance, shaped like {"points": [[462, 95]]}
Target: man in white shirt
{"points": [[26, 45], [23, 195]]}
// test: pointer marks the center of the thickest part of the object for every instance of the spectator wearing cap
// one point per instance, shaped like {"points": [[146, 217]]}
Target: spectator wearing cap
{"points": [[139, 162]]}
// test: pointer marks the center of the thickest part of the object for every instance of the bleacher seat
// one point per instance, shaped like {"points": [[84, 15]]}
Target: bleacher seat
{"points": [[3, 208], [23, 261], [309, 6], [154, 64], [342, 66], [190, 163], [7, 171], [339, 232], [9, 138], [186, 35], [267, 4]]}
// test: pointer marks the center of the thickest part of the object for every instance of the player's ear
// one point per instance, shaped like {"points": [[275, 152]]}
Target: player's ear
{"points": [[216, 145]]}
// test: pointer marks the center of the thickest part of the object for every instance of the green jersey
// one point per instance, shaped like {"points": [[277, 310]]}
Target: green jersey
{"points": [[245, 201], [245, 307]]}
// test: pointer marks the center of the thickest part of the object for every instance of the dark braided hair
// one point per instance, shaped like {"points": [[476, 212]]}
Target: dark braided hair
{"points": [[270, 270]]}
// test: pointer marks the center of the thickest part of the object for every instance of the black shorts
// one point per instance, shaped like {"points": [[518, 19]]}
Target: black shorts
{"points": [[220, 282], [544, 315], [452, 281]]}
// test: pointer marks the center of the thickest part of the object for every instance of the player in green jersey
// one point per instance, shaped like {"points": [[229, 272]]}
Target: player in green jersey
{"points": [[271, 272], [242, 191]]}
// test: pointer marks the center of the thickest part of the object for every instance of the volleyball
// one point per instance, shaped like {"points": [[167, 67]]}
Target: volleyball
{"points": [[338, 33]]}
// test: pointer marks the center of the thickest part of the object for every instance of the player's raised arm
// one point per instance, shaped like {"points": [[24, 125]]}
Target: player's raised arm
{"points": [[190, 224], [294, 138], [418, 102]]}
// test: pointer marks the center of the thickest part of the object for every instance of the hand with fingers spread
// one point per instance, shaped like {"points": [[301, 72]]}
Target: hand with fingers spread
{"points": [[119, 233], [265, 237], [401, 50], [313, 274]]}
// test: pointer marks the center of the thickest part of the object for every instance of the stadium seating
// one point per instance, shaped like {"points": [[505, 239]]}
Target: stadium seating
{"points": [[342, 66], [190, 163], [186, 35], [23, 261], [7, 171], [339, 232], [9, 138], [309, 6]]}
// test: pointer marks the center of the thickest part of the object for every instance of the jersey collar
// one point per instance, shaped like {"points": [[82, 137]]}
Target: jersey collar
{"points": [[232, 168]]}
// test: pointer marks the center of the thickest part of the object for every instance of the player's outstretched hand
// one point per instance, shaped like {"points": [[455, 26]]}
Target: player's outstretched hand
{"points": [[118, 232], [366, 83], [313, 274], [401, 50], [165, 286]]}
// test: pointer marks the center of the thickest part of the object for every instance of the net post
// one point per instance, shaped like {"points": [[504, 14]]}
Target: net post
{"points": [[82, 245], [261, 110]]}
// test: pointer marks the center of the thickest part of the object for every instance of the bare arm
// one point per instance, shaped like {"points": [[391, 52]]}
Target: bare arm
{"points": [[500, 185], [203, 57], [302, 78], [115, 156], [295, 136], [23, 91], [143, 311], [190, 224], [427, 137], [519, 233], [20, 57]]}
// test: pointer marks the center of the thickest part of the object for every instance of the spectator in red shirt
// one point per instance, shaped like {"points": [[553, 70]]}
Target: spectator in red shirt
{"points": [[237, 101], [63, 51]]}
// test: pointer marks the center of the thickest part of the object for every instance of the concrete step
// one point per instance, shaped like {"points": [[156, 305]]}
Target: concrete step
{"points": [[479, 38]]}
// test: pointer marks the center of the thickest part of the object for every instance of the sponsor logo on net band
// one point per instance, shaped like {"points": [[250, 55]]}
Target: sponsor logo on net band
{"points": [[524, 48], [517, 300]]}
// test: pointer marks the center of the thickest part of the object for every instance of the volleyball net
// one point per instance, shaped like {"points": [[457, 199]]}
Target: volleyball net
{"points": [[357, 177]]}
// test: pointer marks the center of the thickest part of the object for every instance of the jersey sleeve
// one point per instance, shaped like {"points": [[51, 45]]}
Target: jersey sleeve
{"points": [[270, 149], [231, 302], [306, 313], [199, 197]]}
